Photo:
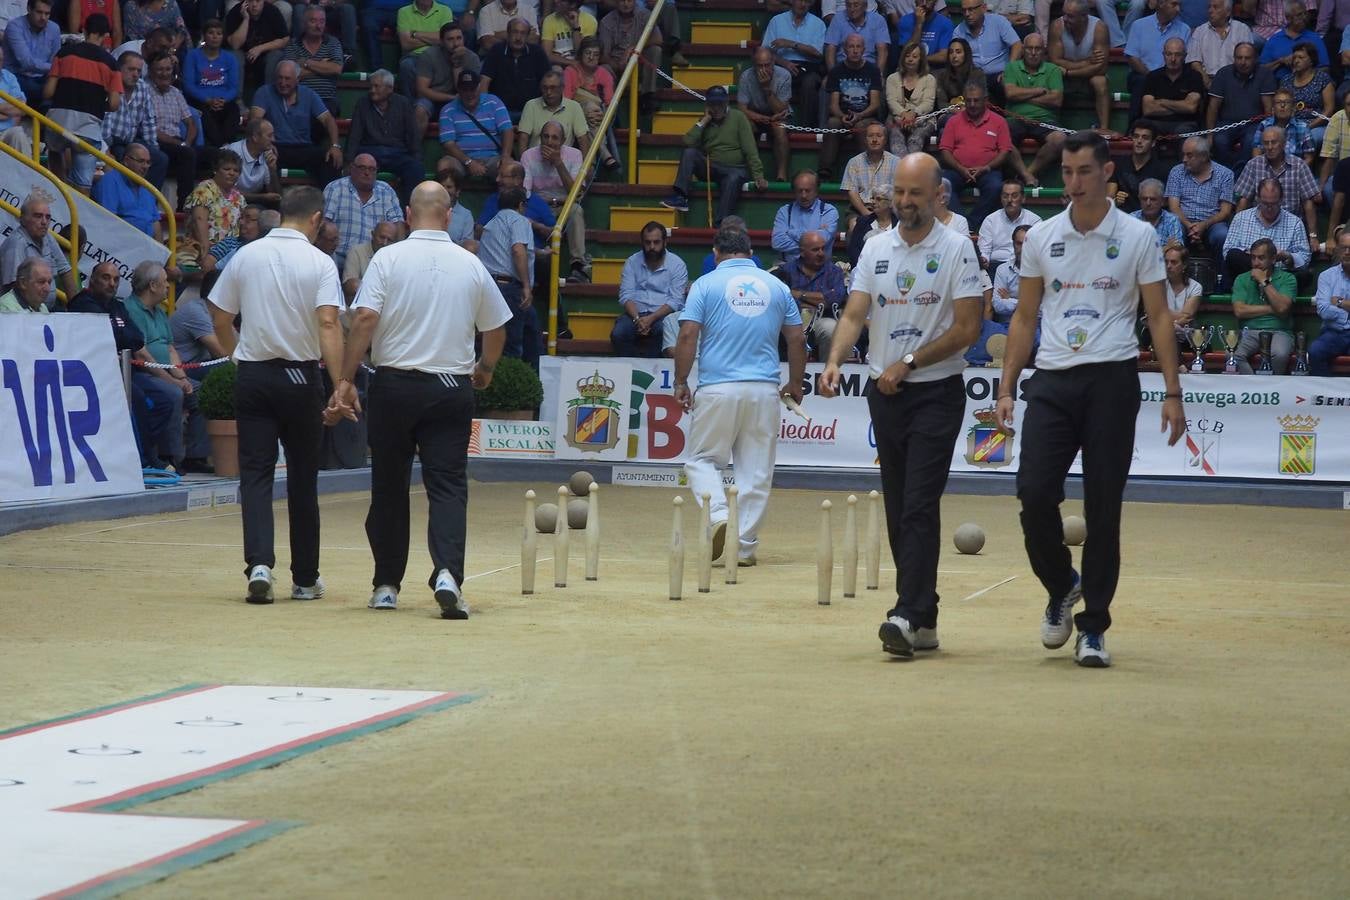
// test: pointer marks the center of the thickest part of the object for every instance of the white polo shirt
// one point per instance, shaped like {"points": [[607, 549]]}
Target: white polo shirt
{"points": [[277, 282], [913, 290], [997, 230], [1088, 308], [432, 296]]}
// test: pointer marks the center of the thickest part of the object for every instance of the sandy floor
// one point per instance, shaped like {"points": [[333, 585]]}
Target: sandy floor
{"points": [[746, 742]]}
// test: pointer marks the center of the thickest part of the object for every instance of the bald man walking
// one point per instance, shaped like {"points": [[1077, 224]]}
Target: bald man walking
{"points": [[421, 303]]}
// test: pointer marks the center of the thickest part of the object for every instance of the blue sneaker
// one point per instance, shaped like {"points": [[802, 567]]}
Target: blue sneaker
{"points": [[677, 202], [1090, 651], [1057, 623]]}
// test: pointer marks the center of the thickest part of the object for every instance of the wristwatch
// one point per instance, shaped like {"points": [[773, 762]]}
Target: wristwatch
{"points": [[908, 359]]}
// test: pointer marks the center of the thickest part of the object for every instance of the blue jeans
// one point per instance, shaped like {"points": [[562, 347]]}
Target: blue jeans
{"points": [[374, 20], [1214, 237], [157, 406], [990, 185], [626, 341], [1324, 349], [522, 332]]}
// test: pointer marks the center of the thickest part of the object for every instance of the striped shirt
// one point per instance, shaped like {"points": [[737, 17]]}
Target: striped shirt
{"points": [[171, 110], [458, 126]]}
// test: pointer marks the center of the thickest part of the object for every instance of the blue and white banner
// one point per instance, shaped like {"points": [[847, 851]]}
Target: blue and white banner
{"points": [[65, 427]]}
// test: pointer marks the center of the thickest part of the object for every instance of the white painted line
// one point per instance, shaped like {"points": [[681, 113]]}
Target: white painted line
{"points": [[981, 593]]}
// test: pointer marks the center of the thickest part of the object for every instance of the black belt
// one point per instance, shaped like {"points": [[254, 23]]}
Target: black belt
{"points": [[505, 279]]}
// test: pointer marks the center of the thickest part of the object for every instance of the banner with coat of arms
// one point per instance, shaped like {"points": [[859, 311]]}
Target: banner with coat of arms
{"points": [[591, 417]]}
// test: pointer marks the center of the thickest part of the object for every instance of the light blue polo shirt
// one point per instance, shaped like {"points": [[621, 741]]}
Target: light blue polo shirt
{"points": [[291, 123], [989, 50], [811, 32], [742, 310], [1145, 42]]}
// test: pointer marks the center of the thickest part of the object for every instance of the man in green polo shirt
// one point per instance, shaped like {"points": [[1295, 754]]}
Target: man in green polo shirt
{"points": [[1035, 90], [1262, 301], [145, 308], [419, 27], [32, 281], [722, 145]]}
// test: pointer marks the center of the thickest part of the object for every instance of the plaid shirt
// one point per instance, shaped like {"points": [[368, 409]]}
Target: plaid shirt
{"points": [[170, 110], [355, 220], [134, 120], [829, 281], [1296, 179], [1288, 233], [1297, 135], [1200, 199]]}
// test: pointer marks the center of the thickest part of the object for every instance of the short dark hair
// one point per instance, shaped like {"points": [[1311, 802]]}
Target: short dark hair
{"points": [[97, 23], [33, 3], [226, 156], [449, 27], [1146, 124], [1089, 140], [212, 23], [731, 239], [1308, 48], [655, 226], [1020, 229], [1264, 243], [126, 55], [300, 202], [511, 198]]}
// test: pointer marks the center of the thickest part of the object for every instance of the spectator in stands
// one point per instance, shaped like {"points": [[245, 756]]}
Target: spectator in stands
{"points": [[507, 250], [591, 85], [806, 213], [1278, 50], [551, 168], [817, 284], [1269, 219], [996, 244], [1008, 279], [357, 202], [618, 32], [250, 229], [943, 213], [764, 94], [1144, 47], [33, 237], [79, 10], [651, 289], [438, 71], [461, 229], [911, 92], [935, 31], [259, 179], [952, 80], [31, 43], [15, 129], [710, 261], [28, 293], [974, 148], [1335, 147], [563, 29], [552, 106], [134, 119], [257, 30], [854, 87], [1333, 306], [671, 42], [212, 83], [880, 219], [870, 173], [476, 130], [869, 26], [1165, 225], [82, 87], [145, 306], [296, 114], [194, 339], [797, 38], [722, 144], [1263, 299], [319, 56], [1080, 44], [536, 211], [215, 205], [1297, 134], [1200, 194], [494, 23], [1019, 13], [1035, 92], [1173, 94], [1312, 90], [1332, 18], [1211, 46], [1184, 293], [1296, 179], [177, 127], [130, 202], [420, 28], [1238, 93], [359, 256], [140, 16], [156, 41], [1141, 164], [383, 126], [99, 297], [514, 70], [993, 43], [327, 240]]}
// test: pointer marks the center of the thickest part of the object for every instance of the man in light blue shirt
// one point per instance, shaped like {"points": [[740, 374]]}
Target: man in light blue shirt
{"points": [[31, 42], [651, 291], [807, 213], [506, 249], [732, 321], [857, 20], [1333, 306], [993, 42], [935, 33], [1144, 47], [797, 39]]}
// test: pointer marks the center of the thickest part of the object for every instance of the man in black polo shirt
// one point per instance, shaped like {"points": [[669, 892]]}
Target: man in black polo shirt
{"points": [[1238, 93], [1173, 94], [513, 69], [1136, 167]]}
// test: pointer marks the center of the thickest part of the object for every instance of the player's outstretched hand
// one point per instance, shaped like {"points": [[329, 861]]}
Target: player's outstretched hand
{"points": [[1003, 416], [1173, 417]]}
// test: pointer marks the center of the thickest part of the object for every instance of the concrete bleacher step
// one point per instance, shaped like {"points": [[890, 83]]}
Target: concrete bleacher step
{"points": [[667, 122]]}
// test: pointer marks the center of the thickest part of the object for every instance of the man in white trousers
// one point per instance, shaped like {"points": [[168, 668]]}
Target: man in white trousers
{"points": [[732, 322]]}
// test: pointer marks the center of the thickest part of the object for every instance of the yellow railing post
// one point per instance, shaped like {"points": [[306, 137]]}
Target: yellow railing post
{"points": [[632, 130], [588, 164]]}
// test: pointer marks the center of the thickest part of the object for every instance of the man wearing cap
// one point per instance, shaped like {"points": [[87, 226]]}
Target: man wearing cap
{"points": [[721, 144], [476, 130]]}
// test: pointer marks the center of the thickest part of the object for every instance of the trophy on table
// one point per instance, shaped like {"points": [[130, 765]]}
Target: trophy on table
{"points": [[1199, 341], [1230, 340], [1300, 355], [1265, 368]]}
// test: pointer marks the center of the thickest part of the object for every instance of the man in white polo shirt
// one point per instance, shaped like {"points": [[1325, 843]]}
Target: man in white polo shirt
{"points": [[1084, 271], [288, 294], [920, 283], [421, 303]]}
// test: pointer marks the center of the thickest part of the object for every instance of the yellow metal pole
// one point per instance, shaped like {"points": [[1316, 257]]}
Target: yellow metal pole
{"points": [[633, 127]]}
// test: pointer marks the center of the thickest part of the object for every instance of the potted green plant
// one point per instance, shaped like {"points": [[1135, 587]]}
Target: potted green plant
{"points": [[215, 399], [515, 392]]}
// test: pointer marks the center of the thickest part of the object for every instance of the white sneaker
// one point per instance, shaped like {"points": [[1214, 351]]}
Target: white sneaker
{"points": [[385, 597], [313, 592], [926, 639], [449, 597], [1057, 622], [1090, 651], [898, 637], [259, 585]]}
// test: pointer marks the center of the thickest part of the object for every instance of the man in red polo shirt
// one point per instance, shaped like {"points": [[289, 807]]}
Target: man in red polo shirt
{"points": [[975, 144]]}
